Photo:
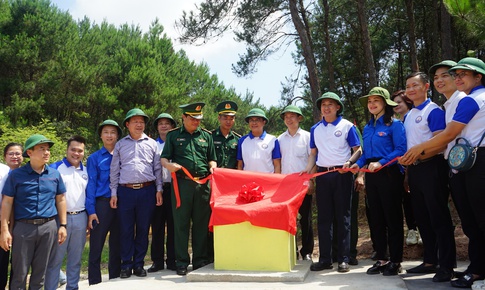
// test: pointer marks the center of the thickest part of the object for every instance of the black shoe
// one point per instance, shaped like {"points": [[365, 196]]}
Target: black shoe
{"points": [[343, 267], [171, 267], [422, 269], [353, 261], [443, 275], [307, 257], [181, 270], [373, 257], [377, 268], [466, 281], [155, 267], [125, 273], [319, 266], [140, 272], [392, 269]]}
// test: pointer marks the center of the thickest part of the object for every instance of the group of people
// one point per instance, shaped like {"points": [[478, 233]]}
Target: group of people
{"points": [[134, 183]]}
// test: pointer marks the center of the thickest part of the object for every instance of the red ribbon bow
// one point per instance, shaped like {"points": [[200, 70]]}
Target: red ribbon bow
{"points": [[250, 192]]}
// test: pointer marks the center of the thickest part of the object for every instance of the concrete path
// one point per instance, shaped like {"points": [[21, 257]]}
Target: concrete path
{"points": [[328, 279]]}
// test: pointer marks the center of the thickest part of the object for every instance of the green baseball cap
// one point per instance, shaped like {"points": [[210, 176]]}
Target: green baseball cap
{"points": [[377, 91], [256, 112], [110, 123], [164, 116], [227, 108], [135, 112], [331, 96], [35, 140], [470, 63], [194, 110], [290, 109], [444, 63]]}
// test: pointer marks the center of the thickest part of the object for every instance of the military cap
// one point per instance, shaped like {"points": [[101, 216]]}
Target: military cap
{"points": [[378, 91], [194, 110], [331, 96], [227, 108], [470, 63], [110, 123], [290, 109], [135, 112], [256, 112], [164, 116], [444, 63], [35, 140]]}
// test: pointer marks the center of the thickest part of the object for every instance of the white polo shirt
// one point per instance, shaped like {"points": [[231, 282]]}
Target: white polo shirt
{"points": [[166, 177], [257, 153], [333, 141], [471, 112], [294, 151], [450, 109], [75, 180], [422, 121], [4, 170]]}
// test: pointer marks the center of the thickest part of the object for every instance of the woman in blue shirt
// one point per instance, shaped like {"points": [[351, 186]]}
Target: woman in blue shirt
{"points": [[384, 139]]}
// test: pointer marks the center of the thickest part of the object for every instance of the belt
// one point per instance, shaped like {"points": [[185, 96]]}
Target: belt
{"points": [[75, 212], [137, 185], [325, 169], [40, 221], [103, 198], [417, 162], [181, 175]]}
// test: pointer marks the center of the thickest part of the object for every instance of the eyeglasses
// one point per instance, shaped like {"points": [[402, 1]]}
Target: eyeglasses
{"points": [[11, 154], [458, 75]]}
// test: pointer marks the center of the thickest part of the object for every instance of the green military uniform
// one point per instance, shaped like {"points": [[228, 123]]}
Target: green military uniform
{"points": [[226, 147], [194, 152]]}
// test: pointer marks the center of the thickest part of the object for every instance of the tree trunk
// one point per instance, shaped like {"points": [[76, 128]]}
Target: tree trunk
{"points": [[328, 50], [366, 44], [412, 36], [445, 31], [309, 57]]}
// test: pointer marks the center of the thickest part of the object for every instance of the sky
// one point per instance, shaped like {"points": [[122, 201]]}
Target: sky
{"points": [[218, 55]]}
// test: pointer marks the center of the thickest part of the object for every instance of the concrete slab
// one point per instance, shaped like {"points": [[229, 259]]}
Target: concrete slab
{"points": [[208, 274], [425, 282]]}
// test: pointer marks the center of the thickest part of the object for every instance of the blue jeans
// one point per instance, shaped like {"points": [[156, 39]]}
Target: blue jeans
{"points": [[73, 246]]}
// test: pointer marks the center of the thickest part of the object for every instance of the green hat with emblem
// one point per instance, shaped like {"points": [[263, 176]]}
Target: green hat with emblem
{"points": [[470, 63], [290, 109], [227, 108], [331, 96], [135, 112], [256, 112], [194, 110], [444, 63], [110, 123], [164, 116], [35, 140], [378, 91]]}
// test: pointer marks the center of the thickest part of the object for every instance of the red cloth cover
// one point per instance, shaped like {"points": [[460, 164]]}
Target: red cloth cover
{"points": [[283, 195]]}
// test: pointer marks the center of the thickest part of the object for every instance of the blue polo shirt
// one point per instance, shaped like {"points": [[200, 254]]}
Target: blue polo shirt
{"points": [[98, 165], [34, 194]]}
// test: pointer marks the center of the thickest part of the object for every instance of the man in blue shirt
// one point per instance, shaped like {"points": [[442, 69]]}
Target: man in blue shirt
{"points": [[36, 194]]}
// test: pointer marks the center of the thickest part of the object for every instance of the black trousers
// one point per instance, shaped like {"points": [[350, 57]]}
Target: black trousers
{"points": [[428, 182], [163, 216], [306, 228], [4, 261], [354, 228], [384, 199], [467, 190]]}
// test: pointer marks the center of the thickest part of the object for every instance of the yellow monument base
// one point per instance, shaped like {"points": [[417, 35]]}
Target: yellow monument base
{"points": [[250, 248]]}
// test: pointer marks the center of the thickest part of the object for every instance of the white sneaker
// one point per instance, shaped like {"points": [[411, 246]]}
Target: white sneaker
{"points": [[478, 285], [420, 241], [412, 238]]}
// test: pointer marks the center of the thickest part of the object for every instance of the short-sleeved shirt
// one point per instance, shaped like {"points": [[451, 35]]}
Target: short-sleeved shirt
{"points": [[333, 141], [75, 180], [192, 151], [4, 170], [166, 177], [257, 153], [295, 151], [226, 148], [471, 112], [34, 194], [98, 165], [422, 122]]}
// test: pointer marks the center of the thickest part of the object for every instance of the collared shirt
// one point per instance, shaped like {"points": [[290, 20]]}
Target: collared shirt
{"points": [[257, 153], [98, 166], [422, 121], [226, 148], [135, 161], [166, 177], [295, 151], [4, 171], [333, 141], [382, 141], [471, 112], [192, 151], [450, 109], [75, 180], [34, 194]]}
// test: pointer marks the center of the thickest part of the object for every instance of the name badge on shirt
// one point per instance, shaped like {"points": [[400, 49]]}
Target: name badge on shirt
{"points": [[338, 133], [418, 119], [217, 142], [202, 140], [265, 146], [180, 139], [85, 176]]}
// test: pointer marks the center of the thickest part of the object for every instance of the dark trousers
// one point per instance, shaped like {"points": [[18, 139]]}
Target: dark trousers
{"points": [[4, 261], [306, 227], [163, 216], [428, 182], [467, 190], [384, 199], [407, 206], [108, 222], [135, 211], [194, 210], [354, 228], [333, 203]]}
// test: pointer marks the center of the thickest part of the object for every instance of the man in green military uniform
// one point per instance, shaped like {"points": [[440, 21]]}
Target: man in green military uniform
{"points": [[225, 140], [191, 147]]}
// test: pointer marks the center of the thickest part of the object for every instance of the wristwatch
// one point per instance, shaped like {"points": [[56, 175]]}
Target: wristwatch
{"points": [[63, 225]]}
